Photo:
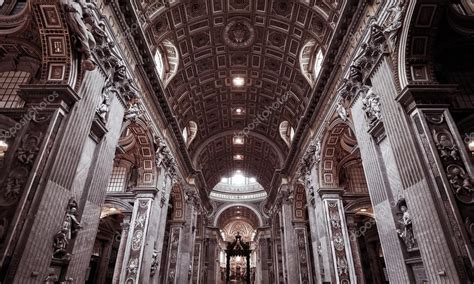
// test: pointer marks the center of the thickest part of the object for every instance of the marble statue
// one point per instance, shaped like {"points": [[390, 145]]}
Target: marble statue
{"points": [[78, 14], [406, 233]]}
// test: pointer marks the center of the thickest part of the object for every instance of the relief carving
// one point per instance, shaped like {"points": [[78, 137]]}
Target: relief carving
{"points": [[445, 144], [459, 179], [461, 183], [29, 148], [337, 239], [154, 262], [371, 107]]}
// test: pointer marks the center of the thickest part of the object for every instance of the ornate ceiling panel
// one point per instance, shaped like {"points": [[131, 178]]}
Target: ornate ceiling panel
{"points": [[258, 40]]}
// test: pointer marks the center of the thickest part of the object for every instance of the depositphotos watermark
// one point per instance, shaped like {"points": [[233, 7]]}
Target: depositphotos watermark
{"points": [[30, 114], [263, 116]]}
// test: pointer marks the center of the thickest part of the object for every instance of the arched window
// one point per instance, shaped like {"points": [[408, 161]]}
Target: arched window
{"points": [[311, 61], [117, 179], [190, 132], [287, 132], [159, 64], [318, 63], [166, 61]]}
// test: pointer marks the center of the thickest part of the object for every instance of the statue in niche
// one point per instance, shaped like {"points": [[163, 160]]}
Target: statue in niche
{"points": [[371, 106], [68, 229], [78, 14], [391, 31], [135, 174], [406, 233], [446, 148], [104, 108]]}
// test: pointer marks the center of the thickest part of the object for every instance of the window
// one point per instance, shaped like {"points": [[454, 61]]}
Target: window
{"points": [[166, 61], [311, 61], [190, 132], [159, 64], [287, 132], [318, 63], [117, 179], [9, 83]]}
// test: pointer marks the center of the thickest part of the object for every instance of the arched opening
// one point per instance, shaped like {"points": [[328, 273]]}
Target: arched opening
{"points": [[237, 224], [342, 168], [287, 132], [134, 163], [190, 132], [311, 61], [109, 246], [166, 61]]}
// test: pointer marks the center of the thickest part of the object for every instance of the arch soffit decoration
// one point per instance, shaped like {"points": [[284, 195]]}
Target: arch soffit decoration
{"points": [[230, 206], [355, 205], [122, 206], [300, 202], [217, 148], [177, 199], [416, 41], [328, 176], [46, 44], [142, 141]]}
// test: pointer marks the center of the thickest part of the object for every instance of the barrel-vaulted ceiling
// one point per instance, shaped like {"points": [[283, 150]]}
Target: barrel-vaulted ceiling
{"points": [[218, 40]]}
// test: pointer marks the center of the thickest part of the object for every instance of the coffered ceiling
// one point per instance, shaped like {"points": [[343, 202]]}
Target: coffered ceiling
{"points": [[258, 40]]}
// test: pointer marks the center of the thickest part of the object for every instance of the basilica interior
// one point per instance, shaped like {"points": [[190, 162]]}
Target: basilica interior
{"points": [[236, 141]]}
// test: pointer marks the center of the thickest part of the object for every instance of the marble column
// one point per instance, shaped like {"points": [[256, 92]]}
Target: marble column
{"points": [[355, 248], [343, 263], [212, 258], [161, 219], [289, 238], [134, 252], [186, 244], [119, 265]]}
